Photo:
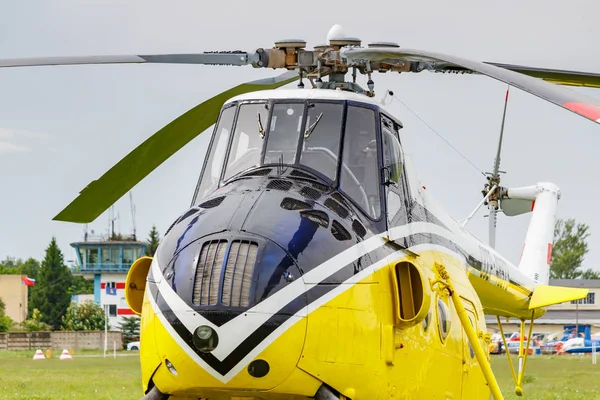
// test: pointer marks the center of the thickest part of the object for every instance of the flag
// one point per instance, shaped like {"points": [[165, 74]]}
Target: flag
{"points": [[112, 291], [27, 281]]}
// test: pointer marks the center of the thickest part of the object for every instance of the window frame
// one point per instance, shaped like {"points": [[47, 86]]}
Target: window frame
{"points": [[239, 104], [378, 138], [583, 302], [272, 105], [210, 146], [116, 313], [335, 183]]}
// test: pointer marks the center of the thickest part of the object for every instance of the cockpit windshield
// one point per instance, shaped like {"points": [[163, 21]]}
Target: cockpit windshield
{"points": [[305, 134]]}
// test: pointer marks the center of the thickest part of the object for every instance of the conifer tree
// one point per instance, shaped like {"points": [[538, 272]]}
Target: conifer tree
{"points": [[51, 293], [152, 242]]}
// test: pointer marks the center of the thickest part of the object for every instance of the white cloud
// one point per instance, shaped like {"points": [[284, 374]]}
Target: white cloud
{"points": [[11, 140], [7, 147]]}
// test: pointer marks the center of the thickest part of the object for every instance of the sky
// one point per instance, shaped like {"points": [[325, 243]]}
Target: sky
{"points": [[62, 127]]}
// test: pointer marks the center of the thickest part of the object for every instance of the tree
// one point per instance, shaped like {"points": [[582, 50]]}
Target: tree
{"points": [[51, 294], [35, 324], [569, 250], [5, 321], [87, 316], [80, 285], [152, 242], [10, 266], [130, 326], [590, 274]]}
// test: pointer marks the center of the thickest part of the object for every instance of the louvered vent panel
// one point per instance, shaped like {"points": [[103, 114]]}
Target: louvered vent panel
{"points": [[208, 273], [237, 281]]}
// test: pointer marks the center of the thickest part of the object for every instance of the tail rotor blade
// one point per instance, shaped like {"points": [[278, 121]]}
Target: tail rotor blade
{"points": [[100, 194]]}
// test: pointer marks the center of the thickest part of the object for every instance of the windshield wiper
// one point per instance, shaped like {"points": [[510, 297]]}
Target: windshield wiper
{"points": [[312, 127], [261, 130]]}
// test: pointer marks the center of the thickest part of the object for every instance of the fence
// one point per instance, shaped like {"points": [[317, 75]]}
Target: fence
{"points": [[76, 340]]}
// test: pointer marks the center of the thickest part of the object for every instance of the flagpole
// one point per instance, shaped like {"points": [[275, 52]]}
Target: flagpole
{"points": [[105, 330]]}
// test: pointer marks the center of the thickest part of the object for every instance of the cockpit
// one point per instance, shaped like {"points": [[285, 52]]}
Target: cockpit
{"points": [[335, 140]]}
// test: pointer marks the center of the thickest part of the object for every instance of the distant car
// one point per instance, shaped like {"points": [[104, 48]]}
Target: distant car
{"points": [[133, 346]]}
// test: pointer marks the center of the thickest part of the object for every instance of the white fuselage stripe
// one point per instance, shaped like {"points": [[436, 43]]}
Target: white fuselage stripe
{"points": [[341, 288], [252, 319]]}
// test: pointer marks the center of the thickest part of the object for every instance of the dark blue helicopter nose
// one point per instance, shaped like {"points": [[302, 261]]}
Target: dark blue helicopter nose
{"points": [[252, 238]]}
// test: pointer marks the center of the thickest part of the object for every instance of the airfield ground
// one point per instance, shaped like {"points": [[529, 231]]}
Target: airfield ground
{"points": [[90, 376]]}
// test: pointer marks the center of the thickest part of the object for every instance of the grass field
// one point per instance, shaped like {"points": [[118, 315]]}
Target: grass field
{"points": [[90, 376]]}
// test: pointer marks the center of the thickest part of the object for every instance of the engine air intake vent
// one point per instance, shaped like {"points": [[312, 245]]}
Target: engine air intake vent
{"points": [[208, 273], [339, 232], [279, 184], [319, 186], [301, 174], [237, 280], [292, 204], [259, 172], [212, 202], [310, 193], [188, 213], [359, 229], [320, 217], [337, 208]]}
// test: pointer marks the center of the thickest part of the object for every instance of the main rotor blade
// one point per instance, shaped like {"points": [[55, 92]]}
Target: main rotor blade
{"points": [[576, 102], [557, 76], [221, 58], [100, 194]]}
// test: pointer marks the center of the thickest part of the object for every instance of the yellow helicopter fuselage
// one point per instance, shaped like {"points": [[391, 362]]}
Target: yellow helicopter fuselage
{"points": [[295, 272]]}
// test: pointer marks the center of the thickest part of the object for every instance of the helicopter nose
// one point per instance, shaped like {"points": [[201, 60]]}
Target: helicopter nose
{"points": [[229, 312], [235, 268]]}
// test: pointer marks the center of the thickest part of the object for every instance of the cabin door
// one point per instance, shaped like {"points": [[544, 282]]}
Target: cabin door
{"points": [[394, 178]]}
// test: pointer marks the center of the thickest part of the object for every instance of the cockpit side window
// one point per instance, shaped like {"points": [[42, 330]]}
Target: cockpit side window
{"points": [[321, 145], [360, 176], [284, 133], [247, 143], [392, 153], [214, 164]]}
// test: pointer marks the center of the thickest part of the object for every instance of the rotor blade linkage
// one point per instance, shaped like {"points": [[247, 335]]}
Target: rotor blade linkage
{"points": [[418, 60], [100, 194]]}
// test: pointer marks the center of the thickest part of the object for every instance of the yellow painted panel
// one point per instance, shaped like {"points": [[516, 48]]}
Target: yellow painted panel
{"points": [[546, 295]]}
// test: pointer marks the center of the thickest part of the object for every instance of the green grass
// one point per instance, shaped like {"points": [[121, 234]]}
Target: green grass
{"points": [[551, 378], [94, 378], [83, 377]]}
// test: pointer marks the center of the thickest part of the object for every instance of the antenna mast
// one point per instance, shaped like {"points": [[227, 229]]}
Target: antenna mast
{"points": [[132, 214]]}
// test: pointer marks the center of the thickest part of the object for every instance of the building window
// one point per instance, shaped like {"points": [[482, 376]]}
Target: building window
{"points": [[589, 300], [112, 310]]}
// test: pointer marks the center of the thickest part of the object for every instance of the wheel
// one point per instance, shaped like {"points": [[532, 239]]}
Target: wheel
{"points": [[134, 348]]}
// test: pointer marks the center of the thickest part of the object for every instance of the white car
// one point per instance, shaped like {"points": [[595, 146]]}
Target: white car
{"points": [[133, 346]]}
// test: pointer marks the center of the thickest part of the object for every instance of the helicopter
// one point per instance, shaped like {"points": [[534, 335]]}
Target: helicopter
{"points": [[311, 262]]}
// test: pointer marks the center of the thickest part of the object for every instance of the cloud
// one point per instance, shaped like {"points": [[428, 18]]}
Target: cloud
{"points": [[7, 147], [11, 140]]}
